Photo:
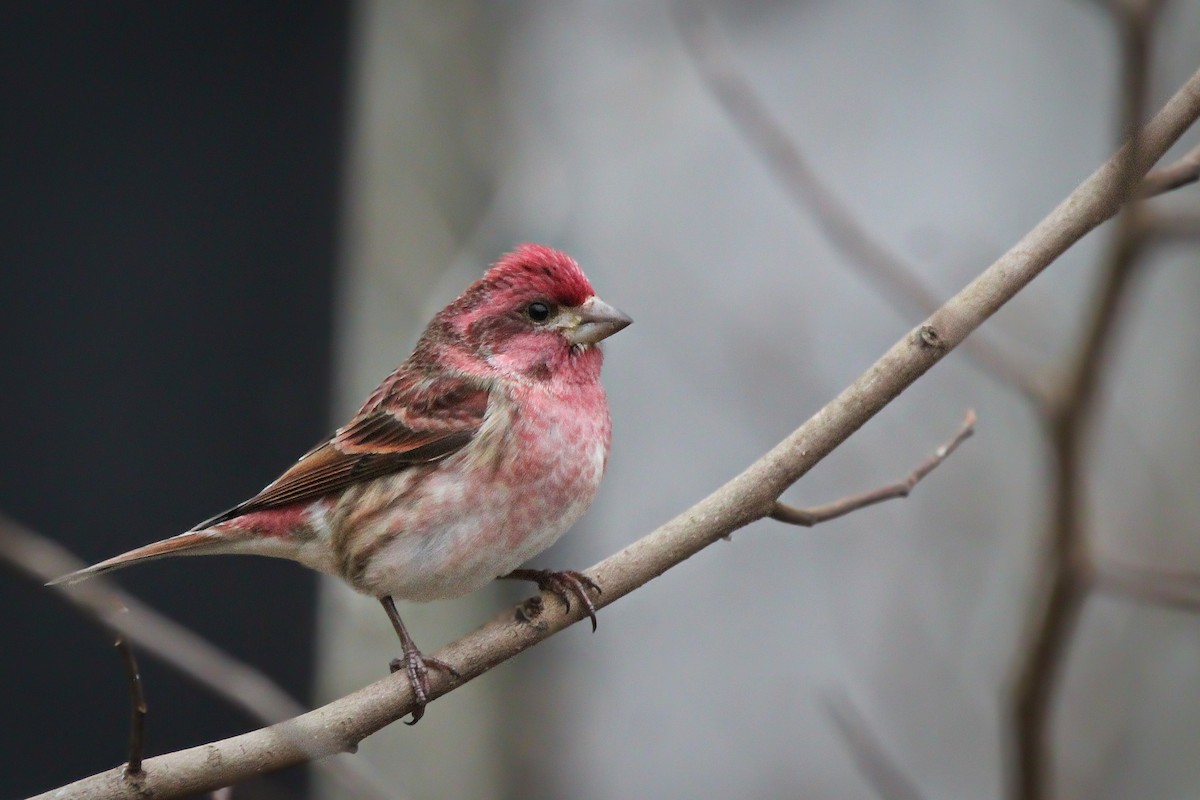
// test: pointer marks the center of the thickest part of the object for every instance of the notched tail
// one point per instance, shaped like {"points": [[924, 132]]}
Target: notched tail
{"points": [[193, 543]]}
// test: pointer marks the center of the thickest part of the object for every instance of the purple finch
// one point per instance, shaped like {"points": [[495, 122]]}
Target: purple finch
{"points": [[475, 455]]}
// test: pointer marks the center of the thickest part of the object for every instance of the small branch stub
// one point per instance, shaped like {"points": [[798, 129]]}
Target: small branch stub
{"points": [[137, 702], [928, 336]]}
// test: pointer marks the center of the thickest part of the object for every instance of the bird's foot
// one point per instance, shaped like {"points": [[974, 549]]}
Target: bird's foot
{"points": [[562, 585], [417, 666]]}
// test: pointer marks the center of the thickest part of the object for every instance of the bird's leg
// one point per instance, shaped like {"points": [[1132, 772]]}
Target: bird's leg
{"points": [[413, 662], [562, 585]]}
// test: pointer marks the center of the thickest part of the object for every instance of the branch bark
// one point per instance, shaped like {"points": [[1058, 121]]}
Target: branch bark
{"points": [[340, 725]]}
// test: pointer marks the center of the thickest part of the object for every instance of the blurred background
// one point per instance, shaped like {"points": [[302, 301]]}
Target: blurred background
{"points": [[226, 222]]}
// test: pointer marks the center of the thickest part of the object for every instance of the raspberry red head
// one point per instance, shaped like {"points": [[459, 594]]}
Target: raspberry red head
{"points": [[530, 272], [542, 270], [529, 314]]}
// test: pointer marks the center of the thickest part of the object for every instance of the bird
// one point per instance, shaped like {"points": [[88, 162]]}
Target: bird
{"points": [[475, 455]]}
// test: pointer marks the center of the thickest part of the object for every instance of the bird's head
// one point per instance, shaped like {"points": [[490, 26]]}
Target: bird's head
{"points": [[534, 313]]}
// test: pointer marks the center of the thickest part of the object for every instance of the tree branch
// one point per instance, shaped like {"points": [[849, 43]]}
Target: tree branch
{"points": [[896, 280], [808, 517], [1180, 173], [1064, 565], [341, 724], [241, 684], [135, 622]]}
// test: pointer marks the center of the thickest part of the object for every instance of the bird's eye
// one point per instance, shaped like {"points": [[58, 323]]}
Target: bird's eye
{"points": [[538, 311]]}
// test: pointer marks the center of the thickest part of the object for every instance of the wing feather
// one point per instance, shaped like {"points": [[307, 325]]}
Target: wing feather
{"points": [[409, 421]]}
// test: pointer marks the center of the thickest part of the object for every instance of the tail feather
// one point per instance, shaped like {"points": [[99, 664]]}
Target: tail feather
{"points": [[193, 543]]}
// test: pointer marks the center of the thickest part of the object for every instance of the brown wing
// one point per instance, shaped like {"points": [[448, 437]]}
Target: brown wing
{"points": [[408, 422]]}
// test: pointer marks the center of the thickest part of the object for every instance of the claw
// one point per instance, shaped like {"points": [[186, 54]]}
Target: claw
{"points": [[417, 666]]}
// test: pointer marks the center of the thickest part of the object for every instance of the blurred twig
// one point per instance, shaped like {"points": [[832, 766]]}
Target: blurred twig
{"points": [[1159, 587], [137, 623], [808, 517], [894, 278], [1063, 564], [340, 725], [1181, 226], [872, 759], [167, 640]]}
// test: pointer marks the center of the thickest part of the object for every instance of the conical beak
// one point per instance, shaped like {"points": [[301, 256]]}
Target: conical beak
{"points": [[597, 321]]}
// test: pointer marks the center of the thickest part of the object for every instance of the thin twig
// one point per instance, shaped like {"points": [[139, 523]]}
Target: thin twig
{"points": [[240, 684], [808, 517], [341, 724], [870, 756], [137, 702], [894, 278], [1178, 174]]}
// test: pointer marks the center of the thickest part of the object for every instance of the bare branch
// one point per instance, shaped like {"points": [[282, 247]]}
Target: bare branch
{"points": [[896, 280], [1062, 582], [137, 701], [872, 759], [341, 724], [242, 685], [808, 517], [134, 621]]}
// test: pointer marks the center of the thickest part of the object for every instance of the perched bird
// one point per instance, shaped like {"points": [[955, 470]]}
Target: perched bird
{"points": [[475, 455]]}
